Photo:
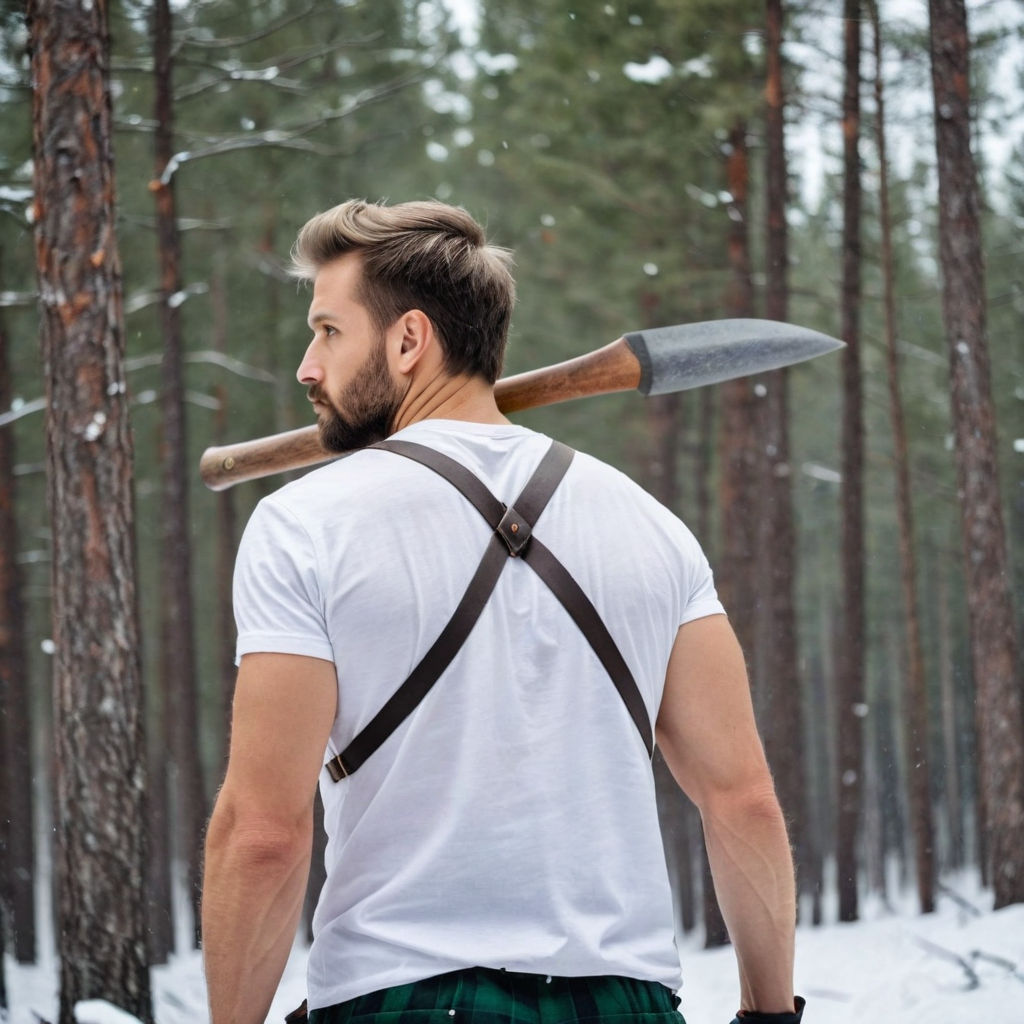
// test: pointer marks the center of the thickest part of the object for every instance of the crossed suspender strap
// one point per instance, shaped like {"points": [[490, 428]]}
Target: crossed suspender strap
{"points": [[513, 536]]}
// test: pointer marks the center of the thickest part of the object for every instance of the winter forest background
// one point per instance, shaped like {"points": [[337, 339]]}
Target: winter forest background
{"points": [[650, 162]]}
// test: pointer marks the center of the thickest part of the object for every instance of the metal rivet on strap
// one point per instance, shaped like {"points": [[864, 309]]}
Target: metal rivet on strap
{"points": [[514, 527]]}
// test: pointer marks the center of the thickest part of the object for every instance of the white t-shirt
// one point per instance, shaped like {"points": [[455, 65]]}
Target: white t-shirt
{"points": [[510, 821]]}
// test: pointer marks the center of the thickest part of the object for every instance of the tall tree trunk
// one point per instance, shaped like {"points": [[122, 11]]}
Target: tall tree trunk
{"points": [[850, 682], [780, 679], [662, 480], [739, 443], [704, 457], [178, 658], [738, 450], [227, 517], [894, 789], [3, 975], [17, 821], [875, 832], [823, 741], [99, 755], [714, 926], [950, 746], [994, 650], [160, 912], [915, 699]]}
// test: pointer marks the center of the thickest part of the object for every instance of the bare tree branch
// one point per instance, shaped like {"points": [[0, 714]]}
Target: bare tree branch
{"points": [[266, 72], [973, 981], [190, 37], [184, 223], [999, 961], [209, 356], [289, 137]]}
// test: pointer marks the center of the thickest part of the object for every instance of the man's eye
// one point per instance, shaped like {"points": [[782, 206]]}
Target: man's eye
{"points": [[329, 331]]}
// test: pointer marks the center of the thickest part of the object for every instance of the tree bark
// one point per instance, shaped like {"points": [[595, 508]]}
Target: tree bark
{"points": [[704, 458], [850, 681], [738, 430], [738, 451], [178, 658], [714, 925], [777, 639], [951, 773], [662, 479], [17, 820], [99, 755], [875, 835], [994, 647], [227, 517], [915, 696]]}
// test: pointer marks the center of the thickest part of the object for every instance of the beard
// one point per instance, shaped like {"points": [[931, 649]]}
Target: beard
{"points": [[371, 401]]}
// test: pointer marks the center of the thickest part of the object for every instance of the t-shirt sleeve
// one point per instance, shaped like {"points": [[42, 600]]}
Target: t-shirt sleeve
{"points": [[699, 597], [278, 604]]}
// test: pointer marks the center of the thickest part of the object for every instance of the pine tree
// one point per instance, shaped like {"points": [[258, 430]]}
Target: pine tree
{"points": [[995, 653], [850, 698], [99, 750]]}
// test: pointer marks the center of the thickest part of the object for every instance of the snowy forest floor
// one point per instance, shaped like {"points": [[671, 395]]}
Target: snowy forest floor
{"points": [[957, 966]]}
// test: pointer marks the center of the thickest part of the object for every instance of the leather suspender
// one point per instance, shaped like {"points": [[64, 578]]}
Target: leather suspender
{"points": [[513, 536]]}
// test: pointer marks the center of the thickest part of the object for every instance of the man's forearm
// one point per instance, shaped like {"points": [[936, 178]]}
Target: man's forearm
{"points": [[752, 867], [253, 888]]}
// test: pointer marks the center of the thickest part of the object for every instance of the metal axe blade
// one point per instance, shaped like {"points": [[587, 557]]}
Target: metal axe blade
{"points": [[693, 355]]}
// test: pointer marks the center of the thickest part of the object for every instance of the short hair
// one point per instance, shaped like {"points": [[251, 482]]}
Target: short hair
{"points": [[422, 255]]}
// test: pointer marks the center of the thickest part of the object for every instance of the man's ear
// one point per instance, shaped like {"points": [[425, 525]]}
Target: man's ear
{"points": [[415, 339]]}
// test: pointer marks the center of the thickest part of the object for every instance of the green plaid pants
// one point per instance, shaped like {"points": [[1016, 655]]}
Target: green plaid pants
{"points": [[481, 995]]}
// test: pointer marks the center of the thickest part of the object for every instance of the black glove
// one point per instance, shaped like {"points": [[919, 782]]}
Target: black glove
{"points": [[756, 1017]]}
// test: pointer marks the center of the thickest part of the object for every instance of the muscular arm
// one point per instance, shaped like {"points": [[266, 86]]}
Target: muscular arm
{"points": [[707, 734], [259, 838]]}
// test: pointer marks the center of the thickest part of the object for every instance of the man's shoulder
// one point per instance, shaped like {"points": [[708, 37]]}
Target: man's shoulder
{"points": [[349, 477], [605, 475]]}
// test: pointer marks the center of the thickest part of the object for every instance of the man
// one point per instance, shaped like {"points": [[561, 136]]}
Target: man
{"points": [[497, 852]]}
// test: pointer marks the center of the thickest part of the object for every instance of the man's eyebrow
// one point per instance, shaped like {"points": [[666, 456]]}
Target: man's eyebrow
{"points": [[318, 318]]}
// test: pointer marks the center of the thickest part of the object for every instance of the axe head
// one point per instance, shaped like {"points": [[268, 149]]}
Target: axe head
{"points": [[692, 355]]}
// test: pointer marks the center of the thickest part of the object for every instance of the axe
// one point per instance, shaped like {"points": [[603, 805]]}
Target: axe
{"points": [[654, 362]]}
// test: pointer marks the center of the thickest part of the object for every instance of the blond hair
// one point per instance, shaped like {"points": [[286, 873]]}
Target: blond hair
{"points": [[421, 255]]}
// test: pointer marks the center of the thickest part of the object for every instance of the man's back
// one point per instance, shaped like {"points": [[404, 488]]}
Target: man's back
{"points": [[510, 821]]}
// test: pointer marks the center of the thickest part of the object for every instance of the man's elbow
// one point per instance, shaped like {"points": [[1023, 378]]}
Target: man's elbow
{"points": [[251, 837], [753, 801]]}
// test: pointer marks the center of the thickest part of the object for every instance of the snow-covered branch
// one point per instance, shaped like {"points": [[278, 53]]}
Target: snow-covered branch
{"points": [[21, 408], [141, 300]]}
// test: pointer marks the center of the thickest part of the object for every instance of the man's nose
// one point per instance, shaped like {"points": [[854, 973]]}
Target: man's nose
{"points": [[309, 371]]}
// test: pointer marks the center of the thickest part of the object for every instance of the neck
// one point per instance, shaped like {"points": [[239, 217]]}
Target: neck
{"points": [[443, 397]]}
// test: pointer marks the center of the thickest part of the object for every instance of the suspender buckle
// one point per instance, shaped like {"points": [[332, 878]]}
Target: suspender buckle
{"points": [[336, 768], [514, 530]]}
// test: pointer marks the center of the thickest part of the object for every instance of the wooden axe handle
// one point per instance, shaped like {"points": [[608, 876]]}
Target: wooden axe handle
{"points": [[608, 369]]}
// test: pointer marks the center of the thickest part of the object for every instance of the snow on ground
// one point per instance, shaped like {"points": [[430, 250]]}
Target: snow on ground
{"points": [[955, 967], [951, 967]]}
